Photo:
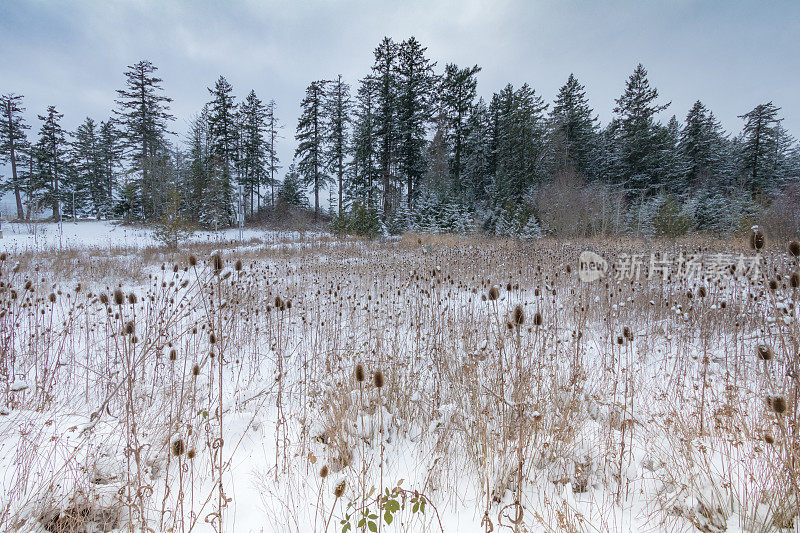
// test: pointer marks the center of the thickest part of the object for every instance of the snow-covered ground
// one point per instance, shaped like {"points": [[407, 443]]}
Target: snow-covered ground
{"points": [[41, 236], [225, 395]]}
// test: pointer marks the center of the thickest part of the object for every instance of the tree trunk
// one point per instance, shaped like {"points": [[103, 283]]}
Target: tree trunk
{"points": [[17, 196]]}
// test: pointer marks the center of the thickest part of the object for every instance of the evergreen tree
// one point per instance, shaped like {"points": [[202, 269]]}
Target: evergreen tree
{"points": [[668, 164], [384, 71], [13, 144], [291, 191], [521, 141], [637, 157], [273, 162], [458, 89], [364, 145], [143, 115], [197, 178], [223, 138], [88, 186], [52, 169], [337, 108], [415, 85], [703, 147], [759, 148], [574, 131], [254, 154], [477, 172], [310, 136], [110, 154]]}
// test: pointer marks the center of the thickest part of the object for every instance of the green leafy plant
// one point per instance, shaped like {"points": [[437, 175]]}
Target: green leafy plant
{"points": [[385, 507]]}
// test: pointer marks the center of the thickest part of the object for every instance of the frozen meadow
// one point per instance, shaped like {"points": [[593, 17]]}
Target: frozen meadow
{"points": [[298, 382]]}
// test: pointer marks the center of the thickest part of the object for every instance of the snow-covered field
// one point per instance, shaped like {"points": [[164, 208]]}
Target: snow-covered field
{"points": [[45, 236], [294, 383]]}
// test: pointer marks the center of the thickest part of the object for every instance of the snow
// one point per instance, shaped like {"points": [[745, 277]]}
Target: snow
{"points": [[42, 236]]}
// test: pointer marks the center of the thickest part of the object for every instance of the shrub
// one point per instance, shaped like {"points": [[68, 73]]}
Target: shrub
{"points": [[670, 219], [360, 220]]}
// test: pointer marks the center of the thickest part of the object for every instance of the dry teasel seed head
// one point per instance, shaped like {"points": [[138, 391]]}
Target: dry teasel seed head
{"points": [[627, 333], [537, 319], [196, 370], [757, 239], [518, 316], [701, 292], [216, 262], [119, 297], [764, 352], [323, 472], [238, 265], [494, 294], [132, 298], [104, 298], [178, 447], [794, 280], [777, 404], [191, 453], [173, 354], [794, 248], [360, 373], [339, 490], [52, 297], [192, 260], [377, 379]]}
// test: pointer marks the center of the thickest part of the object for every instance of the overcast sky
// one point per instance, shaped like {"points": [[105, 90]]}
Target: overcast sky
{"points": [[732, 55]]}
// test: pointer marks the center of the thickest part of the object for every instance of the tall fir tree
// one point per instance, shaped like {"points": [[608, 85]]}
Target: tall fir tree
{"points": [[457, 91], [703, 146], [88, 185], [476, 173], [668, 161], [254, 148], [574, 133], [110, 153], [310, 136], [198, 171], [223, 137], [759, 147], [635, 167], [13, 145], [142, 114], [52, 162], [365, 172], [338, 107], [273, 161], [416, 82], [521, 141], [384, 71]]}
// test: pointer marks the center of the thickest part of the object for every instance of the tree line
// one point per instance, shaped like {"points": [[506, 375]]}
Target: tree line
{"points": [[412, 147]]}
